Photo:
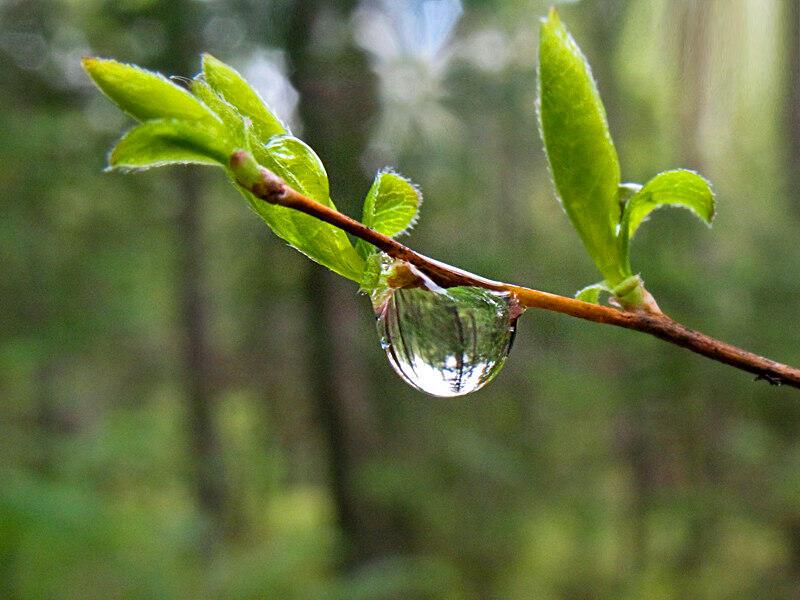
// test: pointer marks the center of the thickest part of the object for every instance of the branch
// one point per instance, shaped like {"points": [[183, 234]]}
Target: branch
{"points": [[269, 187]]}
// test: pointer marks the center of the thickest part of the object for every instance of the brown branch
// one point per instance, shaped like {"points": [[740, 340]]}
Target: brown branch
{"points": [[271, 188]]}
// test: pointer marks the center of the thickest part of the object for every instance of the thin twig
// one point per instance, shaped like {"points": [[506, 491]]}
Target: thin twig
{"points": [[271, 188]]}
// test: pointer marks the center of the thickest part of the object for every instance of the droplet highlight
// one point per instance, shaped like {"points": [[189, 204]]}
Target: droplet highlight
{"points": [[447, 342]]}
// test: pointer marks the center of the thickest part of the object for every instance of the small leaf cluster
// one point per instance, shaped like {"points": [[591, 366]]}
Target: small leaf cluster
{"points": [[220, 115], [585, 168]]}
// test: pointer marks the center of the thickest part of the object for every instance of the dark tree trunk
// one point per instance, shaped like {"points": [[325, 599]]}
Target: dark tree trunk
{"points": [[326, 368], [792, 118], [632, 442], [207, 467], [700, 465], [793, 101], [337, 99], [182, 56], [693, 61]]}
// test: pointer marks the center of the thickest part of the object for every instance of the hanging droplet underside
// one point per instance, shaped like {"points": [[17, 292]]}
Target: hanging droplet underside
{"points": [[447, 342]]}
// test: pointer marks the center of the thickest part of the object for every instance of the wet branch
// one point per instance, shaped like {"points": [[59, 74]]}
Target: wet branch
{"points": [[269, 187]]}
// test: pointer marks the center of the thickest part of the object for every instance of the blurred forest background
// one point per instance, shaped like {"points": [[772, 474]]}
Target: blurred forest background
{"points": [[190, 409]]}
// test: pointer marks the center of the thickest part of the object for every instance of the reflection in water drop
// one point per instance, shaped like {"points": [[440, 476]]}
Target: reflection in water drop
{"points": [[447, 342]]}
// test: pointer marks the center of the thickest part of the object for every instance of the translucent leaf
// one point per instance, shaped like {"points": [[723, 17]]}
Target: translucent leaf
{"points": [[170, 141], [681, 187], [181, 128], [142, 94], [625, 192], [582, 158], [591, 293], [373, 279], [229, 84], [391, 207], [231, 117], [294, 161], [298, 165]]}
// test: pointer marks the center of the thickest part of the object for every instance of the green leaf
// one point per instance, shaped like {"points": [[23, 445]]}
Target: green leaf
{"points": [[142, 94], [374, 275], [390, 208], [591, 293], [582, 158], [234, 122], [297, 164], [681, 187], [630, 292], [171, 141], [625, 192], [229, 84]]}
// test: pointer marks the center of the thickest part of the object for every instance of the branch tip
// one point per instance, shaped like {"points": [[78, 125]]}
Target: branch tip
{"points": [[258, 180], [269, 187], [238, 159]]}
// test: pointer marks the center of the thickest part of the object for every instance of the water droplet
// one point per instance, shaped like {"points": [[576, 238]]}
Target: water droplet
{"points": [[447, 342]]}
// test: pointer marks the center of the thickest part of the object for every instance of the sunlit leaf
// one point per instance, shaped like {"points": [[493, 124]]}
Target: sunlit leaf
{"points": [[229, 84], [391, 206], [297, 164], [591, 293], [231, 117], [171, 141], [143, 94], [582, 158], [681, 188], [374, 275]]}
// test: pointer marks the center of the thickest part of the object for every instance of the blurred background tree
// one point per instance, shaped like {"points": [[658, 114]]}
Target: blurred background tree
{"points": [[192, 410]]}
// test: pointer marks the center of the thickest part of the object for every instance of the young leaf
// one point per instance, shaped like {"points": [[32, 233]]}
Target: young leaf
{"points": [[582, 158], [591, 293], [678, 188], [171, 141], [229, 84], [391, 207], [142, 94], [374, 275], [234, 122], [297, 164], [625, 192]]}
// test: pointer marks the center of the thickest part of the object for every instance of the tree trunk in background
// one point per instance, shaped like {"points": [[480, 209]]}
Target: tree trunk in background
{"points": [[793, 100], [605, 30], [632, 443], [337, 100], [792, 115], [700, 436], [693, 65], [182, 57], [208, 470]]}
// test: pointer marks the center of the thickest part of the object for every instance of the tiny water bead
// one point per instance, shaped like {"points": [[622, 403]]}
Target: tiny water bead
{"points": [[447, 342]]}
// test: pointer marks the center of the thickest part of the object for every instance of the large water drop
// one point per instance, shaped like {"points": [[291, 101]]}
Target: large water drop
{"points": [[447, 342]]}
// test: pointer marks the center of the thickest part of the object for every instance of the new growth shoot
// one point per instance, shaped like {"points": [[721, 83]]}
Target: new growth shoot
{"points": [[446, 331]]}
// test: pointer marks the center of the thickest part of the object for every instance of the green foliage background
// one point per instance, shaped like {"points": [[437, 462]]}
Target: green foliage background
{"points": [[190, 409]]}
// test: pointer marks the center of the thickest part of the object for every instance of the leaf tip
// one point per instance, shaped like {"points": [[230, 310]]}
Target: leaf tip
{"points": [[210, 62], [90, 65], [591, 293], [206, 58], [552, 22]]}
